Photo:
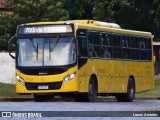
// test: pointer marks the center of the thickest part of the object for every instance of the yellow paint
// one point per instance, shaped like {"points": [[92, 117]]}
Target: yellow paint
{"points": [[112, 75], [67, 87]]}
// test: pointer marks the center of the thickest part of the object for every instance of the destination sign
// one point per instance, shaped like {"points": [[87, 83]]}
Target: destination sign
{"points": [[45, 29]]}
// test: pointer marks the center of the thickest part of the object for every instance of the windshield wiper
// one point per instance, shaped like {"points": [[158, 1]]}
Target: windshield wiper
{"points": [[34, 46], [57, 39], [51, 50]]}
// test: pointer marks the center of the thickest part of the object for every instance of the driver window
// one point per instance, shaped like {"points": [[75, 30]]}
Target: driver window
{"points": [[82, 44]]}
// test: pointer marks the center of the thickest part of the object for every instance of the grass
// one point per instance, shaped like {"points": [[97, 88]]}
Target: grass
{"points": [[151, 93], [9, 90]]}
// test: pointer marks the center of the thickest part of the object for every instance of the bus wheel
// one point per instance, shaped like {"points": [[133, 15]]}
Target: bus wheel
{"points": [[129, 96], [92, 90], [91, 95], [39, 98]]}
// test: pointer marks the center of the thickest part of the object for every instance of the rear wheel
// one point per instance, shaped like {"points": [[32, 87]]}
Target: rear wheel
{"points": [[129, 96]]}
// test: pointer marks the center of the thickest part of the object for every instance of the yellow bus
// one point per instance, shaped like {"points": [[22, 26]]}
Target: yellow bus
{"points": [[83, 58]]}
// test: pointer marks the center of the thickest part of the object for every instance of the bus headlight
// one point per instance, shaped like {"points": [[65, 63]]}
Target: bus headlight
{"points": [[20, 80], [69, 77]]}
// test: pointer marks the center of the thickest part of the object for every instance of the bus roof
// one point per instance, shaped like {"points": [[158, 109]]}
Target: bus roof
{"points": [[83, 22], [96, 25], [120, 31]]}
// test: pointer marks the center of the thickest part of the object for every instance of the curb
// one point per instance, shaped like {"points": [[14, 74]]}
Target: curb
{"points": [[16, 99], [136, 98], [147, 98], [70, 99]]}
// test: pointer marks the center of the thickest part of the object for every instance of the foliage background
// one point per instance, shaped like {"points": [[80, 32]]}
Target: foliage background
{"points": [[142, 15]]}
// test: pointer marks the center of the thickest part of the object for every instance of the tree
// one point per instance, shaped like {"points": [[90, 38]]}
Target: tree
{"points": [[5, 29], [40, 10], [156, 4], [30, 11], [136, 15], [79, 9]]}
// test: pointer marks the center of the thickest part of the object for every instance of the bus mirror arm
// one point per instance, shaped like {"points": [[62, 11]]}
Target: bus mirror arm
{"points": [[11, 55], [10, 42]]}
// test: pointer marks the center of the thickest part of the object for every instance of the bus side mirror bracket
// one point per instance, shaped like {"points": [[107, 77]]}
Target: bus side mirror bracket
{"points": [[10, 42]]}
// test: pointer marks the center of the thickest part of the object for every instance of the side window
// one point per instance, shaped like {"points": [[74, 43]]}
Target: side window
{"points": [[125, 41], [94, 51], [94, 44], [134, 42], [142, 43], [116, 46], [106, 49], [105, 39], [125, 53], [143, 55], [90, 38], [134, 45], [106, 52], [116, 40], [117, 53], [93, 38], [143, 49], [148, 43], [125, 47], [82, 45], [135, 54]]}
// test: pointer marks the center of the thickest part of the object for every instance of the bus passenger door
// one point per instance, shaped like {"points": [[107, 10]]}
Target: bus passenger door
{"points": [[82, 63]]}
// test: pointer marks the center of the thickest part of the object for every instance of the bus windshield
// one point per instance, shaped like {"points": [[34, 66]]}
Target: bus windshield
{"points": [[55, 51]]}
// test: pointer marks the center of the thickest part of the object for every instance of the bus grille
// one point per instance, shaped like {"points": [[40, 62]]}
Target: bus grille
{"points": [[51, 86]]}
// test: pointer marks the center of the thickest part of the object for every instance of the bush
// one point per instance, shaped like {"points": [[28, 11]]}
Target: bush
{"points": [[7, 29], [4, 41]]}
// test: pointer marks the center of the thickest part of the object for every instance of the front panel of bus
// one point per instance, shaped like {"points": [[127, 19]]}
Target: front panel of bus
{"points": [[46, 59]]}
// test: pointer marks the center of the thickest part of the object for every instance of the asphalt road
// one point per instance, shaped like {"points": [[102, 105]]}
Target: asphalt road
{"points": [[136, 105]]}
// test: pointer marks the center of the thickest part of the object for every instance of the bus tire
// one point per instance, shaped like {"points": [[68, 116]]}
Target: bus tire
{"points": [[39, 98], [91, 95], [92, 90], [129, 96]]}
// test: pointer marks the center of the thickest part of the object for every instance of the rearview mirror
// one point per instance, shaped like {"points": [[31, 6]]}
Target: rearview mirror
{"points": [[10, 47]]}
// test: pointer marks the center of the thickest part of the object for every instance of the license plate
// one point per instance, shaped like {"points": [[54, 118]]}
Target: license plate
{"points": [[42, 87]]}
